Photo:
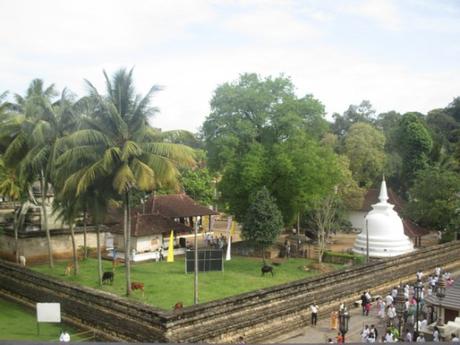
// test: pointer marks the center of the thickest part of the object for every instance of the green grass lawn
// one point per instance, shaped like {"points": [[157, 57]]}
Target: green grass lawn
{"points": [[19, 323], [166, 283]]}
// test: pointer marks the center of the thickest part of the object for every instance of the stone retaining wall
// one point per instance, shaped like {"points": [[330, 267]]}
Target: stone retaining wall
{"points": [[260, 316]]}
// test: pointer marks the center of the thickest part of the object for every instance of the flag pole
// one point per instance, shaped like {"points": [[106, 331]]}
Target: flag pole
{"points": [[195, 297]]}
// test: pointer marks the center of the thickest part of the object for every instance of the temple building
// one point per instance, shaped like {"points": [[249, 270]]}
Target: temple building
{"points": [[383, 234]]}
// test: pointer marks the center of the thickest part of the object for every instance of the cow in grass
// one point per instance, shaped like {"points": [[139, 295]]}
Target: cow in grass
{"points": [[108, 277], [266, 269], [138, 286]]}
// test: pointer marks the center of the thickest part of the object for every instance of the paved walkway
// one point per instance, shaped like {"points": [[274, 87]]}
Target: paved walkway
{"points": [[321, 332]]}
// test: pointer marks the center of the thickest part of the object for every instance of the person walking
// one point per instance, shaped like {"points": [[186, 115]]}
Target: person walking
{"points": [[334, 320], [339, 338], [391, 313], [436, 334], [371, 335], [365, 334], [363, 302], [408, 336], [420, 338], [314, 313]]}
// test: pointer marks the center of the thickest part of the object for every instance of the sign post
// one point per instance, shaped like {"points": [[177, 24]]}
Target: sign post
{"points": [[48, 312]]}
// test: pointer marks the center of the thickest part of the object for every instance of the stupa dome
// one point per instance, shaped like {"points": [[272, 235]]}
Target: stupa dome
{"points": [[385, 230]]}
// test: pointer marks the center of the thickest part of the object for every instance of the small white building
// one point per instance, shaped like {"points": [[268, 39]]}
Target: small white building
{"points": [[357, 218], [383, 235], [149, 233]]}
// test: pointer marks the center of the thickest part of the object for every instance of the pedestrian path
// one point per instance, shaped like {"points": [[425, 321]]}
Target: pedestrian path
{"points": [[322, 331]]}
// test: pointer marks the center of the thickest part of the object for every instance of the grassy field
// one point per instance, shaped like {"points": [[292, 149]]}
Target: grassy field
{"points": [[19, 323], [166, 283]]}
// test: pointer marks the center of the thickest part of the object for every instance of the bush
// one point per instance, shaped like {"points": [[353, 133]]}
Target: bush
{"points": [[343, 258]]}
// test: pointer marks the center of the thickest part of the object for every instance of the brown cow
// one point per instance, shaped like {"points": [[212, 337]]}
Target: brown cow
{"points": [[137, 286], [178, 306], [68, 269]]}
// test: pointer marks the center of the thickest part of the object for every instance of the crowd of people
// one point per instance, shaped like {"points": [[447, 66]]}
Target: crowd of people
{"points": [[385, 309], [216, 242]]}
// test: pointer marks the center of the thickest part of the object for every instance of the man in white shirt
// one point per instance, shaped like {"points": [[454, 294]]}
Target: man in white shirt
{"points": [[391, 313], [408, 337], [388, 300], [365, 334], [420, 338], [419, 275], [389, 337], [314, 313]]}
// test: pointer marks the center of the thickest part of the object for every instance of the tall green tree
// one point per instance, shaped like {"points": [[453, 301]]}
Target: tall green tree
{"points": [[198, 183], [13, 188], [257, 110], [364, 147], [263, 221], [435, 202], [117, 145], [415, 144], [364, 112], [36, 130]]}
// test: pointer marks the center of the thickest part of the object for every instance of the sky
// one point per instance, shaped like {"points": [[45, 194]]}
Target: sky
{"points": [[401, 55]]}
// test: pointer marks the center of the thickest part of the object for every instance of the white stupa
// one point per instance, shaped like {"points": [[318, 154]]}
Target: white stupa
{"points": [[385, 229]]}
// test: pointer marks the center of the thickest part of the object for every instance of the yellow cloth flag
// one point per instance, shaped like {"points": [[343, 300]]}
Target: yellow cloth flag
{"points": [[232, 230], [171, 248], [205, 223]]}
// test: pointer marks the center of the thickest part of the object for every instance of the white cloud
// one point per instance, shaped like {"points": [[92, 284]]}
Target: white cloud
{"points": [[384, 12], [65, 42], [271, 24]]}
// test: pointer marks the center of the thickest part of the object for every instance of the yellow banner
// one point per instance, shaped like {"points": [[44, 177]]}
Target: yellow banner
{"points": [[171, 248]]}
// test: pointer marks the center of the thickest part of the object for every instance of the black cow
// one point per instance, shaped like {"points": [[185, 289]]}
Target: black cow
{"points": [[266, 269], [107, 277]]}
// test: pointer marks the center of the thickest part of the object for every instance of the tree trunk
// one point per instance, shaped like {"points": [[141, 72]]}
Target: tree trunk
{"points": [[15, 229], [74, 249], [127, 232], [99, 257], [43, 183], [85, 247]]}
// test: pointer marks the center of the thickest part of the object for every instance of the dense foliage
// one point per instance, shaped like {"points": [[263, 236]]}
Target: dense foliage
{"points": [[260, 138], [263, 221]]}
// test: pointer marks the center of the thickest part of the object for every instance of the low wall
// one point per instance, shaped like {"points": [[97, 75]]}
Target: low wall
{"points": [[262, 315], [34, 246]]}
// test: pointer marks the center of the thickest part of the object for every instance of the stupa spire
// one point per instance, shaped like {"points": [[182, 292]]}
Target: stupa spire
{"points": [[383, 196]]}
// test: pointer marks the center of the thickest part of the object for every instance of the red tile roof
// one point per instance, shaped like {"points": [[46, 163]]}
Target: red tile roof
{"points": [[150, 224], [176, 206]]}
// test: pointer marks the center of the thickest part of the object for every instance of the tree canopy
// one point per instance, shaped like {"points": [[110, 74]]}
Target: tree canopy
{"points": [[263, 222]]}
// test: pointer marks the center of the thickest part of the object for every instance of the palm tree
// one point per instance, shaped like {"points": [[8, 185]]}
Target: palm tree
{"points": [[118, 145], [67, 211], [37, 129], [13, 188]]}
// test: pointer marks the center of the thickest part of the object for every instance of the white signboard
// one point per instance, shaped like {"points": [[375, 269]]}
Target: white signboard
{"points": [[48, 312]]}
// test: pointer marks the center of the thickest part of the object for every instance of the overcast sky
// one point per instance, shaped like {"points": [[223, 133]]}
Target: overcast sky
{"points": [[400, 55]]}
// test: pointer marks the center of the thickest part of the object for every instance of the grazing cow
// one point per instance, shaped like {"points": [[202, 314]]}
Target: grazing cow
{"points": [[68, 269], [22, 260], [137, 286], [107, 277], [266, 269]]}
